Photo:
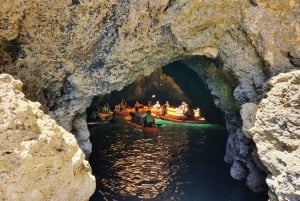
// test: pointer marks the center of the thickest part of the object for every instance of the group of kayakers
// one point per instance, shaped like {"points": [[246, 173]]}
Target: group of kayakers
{"points": [[187, 111], [142, 118], [184, 110], [102, 109], [145, 115], [145, 119]]}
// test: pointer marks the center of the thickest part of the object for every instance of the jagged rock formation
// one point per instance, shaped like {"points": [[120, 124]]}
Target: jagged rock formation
{"points": [[39, 159], [274, 125], [66, 52]]}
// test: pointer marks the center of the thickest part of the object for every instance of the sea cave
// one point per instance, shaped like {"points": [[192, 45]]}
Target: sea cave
{"points": [[236, 61]]}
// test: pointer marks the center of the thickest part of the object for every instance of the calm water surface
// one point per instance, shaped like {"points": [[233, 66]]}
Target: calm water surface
{"points": [[181, 162]]}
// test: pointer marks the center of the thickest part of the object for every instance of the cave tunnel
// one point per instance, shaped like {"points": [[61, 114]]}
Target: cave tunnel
{"points": [[174, 82], [134, 165], [60, 60]]}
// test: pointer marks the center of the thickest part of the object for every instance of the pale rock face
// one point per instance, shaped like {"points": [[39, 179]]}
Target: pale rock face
{"points": [[39, 159], [248, 113], [66, 52], [275, 129], [273, 26]]}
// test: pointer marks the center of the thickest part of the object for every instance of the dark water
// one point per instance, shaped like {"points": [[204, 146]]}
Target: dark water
{"points": [[181, 162]]}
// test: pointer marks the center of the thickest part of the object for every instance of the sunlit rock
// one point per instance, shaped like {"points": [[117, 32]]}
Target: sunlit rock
{"points": [[276, 133], [39, 159], [248, 114]]}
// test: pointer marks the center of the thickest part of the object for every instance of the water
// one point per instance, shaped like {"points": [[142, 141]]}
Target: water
{"points": [[180, 163]]}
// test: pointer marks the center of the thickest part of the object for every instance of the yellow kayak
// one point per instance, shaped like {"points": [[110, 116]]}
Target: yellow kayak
{"points": [[104, 116]]}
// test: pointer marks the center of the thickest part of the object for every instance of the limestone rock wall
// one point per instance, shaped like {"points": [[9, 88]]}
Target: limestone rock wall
{"points": [[66, 52], [239, 149], [39, 160], [274, 125]]}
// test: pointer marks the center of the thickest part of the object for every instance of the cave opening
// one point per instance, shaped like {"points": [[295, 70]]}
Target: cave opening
{"points": [[133, 165], [175, 83]]}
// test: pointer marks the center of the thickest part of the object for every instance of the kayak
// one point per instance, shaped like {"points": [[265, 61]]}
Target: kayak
{"points": [[177, 112], [92, 124], [182, 120], [105, 116], [124, 112], [155, 112], [153, 129], [143, 109]]}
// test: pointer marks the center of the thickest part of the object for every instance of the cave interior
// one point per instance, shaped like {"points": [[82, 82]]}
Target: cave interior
{"points": [[174, 82]]}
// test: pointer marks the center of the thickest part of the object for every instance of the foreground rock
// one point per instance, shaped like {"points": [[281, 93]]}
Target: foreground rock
{"points": [[275, 130], [39, 159]]}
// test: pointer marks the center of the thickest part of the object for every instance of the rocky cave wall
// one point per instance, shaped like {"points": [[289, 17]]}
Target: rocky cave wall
{"points": [[275, 130], [66, 52]]}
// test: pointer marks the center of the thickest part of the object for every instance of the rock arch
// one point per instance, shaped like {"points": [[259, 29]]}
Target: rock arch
{"points": [[69, 52]]}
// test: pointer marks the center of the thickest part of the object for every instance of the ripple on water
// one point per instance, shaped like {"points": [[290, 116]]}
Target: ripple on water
{"points": [[144, 166], [132, 165]]}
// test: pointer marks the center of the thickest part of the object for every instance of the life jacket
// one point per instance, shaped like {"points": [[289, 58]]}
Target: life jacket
{"points": [[149, 119]]}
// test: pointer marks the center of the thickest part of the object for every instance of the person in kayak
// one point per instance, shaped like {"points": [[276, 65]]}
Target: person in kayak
{"points": [[149, 120]]}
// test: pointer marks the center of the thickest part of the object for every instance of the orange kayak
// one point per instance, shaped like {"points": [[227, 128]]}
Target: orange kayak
{"points": [[153, 129], [124, 112], [104, 116]]}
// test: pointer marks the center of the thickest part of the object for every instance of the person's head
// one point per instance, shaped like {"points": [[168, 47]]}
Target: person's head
{"points": [[148, 112], [136, 109]]}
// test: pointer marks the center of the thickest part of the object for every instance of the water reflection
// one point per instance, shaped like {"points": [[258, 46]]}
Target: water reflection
{"points": [[176, 164], [143, 165]]}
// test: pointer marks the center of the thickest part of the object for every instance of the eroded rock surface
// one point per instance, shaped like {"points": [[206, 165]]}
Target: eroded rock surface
{"points": [[274, 125], [39, 160], [66, 52]]}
